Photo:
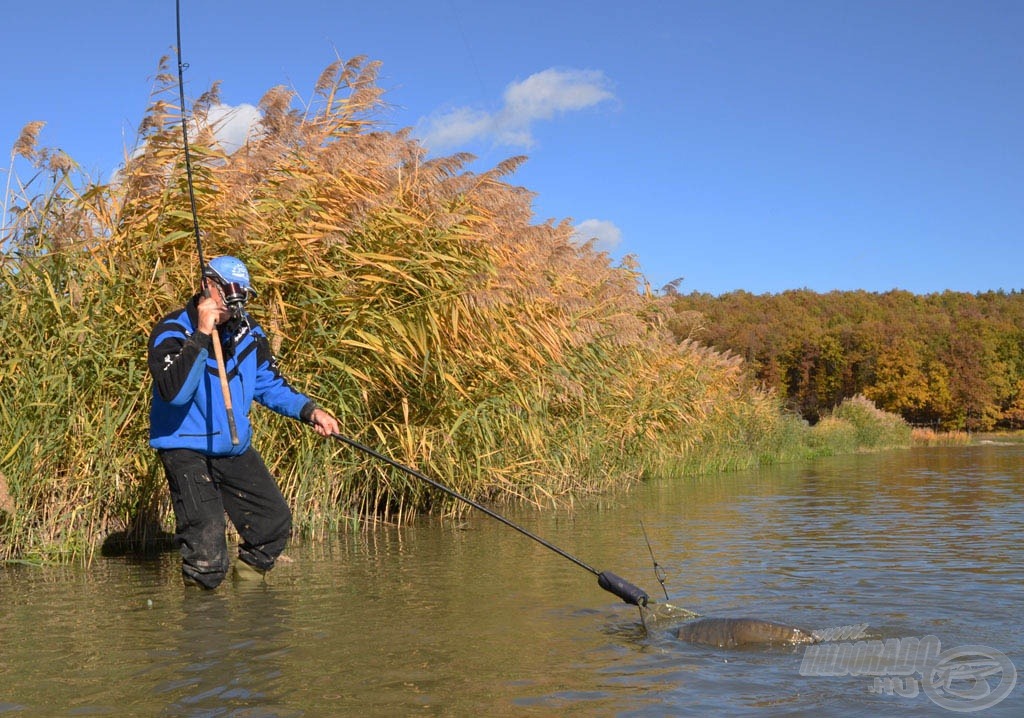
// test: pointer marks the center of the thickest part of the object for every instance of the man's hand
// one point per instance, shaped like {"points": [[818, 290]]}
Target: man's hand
{"points": [[323, 423], [212, 309]]}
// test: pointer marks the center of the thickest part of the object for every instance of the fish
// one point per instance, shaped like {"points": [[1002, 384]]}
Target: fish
{"points": [[743, 633]]}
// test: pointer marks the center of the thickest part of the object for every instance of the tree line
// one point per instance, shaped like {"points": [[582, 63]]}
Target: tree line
{"points": [[951, 360]]}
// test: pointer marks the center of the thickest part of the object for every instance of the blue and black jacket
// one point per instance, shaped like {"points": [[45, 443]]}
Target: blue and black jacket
{"points": [[188, 405]]}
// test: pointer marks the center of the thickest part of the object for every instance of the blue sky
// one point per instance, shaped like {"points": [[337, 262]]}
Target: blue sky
{"points": [[761, 145]]}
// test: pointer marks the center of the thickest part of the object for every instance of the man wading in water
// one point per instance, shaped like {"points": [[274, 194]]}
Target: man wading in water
{"points": [[207, 474]]}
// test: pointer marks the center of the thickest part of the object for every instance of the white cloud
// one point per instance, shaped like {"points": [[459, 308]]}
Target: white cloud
{"points": [[605, 234], [457, 127], [234, 125], [540, 96]]}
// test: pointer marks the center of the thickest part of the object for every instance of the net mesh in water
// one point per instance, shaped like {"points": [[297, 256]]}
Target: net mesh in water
{"points": [[656, 616]]}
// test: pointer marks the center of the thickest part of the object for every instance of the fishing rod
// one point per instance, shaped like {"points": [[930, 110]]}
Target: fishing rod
{"points": [[218, 350], [658, 571], [605, 579]]}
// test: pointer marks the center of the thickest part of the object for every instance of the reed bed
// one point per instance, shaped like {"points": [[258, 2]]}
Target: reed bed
{"points": [[417, 300], [930, 437]]}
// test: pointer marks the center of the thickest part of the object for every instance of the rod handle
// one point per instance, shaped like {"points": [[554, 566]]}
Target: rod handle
{"points": [[218, 352]]}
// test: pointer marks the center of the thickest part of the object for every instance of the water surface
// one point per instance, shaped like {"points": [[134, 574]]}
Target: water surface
{"points": [[476, 619]]}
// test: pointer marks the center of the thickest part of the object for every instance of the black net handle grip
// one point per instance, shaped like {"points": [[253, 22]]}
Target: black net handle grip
{"points": [[622, 588]]}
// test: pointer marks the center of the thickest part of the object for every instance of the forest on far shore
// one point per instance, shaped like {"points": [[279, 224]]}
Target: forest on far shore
{"points": [[949, 360]]}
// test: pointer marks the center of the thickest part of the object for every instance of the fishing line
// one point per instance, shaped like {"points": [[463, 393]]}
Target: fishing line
{"points": [[456, 18], [605, 579]]}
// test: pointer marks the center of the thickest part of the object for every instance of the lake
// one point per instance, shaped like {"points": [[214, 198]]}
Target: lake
{"points": [[472, 618]]}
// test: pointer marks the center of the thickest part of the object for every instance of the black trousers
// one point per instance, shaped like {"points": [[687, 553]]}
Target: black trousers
{"points": [[202, 489]]}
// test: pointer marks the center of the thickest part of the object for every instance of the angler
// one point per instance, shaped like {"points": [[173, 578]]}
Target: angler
{"points": [[210, 471]]}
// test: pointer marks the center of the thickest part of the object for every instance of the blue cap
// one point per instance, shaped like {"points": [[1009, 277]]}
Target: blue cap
{"points": [[229, 270]]}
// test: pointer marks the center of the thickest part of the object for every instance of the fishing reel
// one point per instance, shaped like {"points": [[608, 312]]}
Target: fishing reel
{"points": [[236, 296]]}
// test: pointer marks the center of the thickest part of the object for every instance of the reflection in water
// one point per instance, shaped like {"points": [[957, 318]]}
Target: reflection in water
{"points": [[227, 651], [440, 619], [128, 639]]}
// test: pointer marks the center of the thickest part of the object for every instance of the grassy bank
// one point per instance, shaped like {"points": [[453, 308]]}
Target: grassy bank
{"points": [[416, 300]]}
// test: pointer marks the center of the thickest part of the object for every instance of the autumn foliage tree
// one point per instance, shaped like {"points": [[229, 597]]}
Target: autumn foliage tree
{"points": [[950, 359]]}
